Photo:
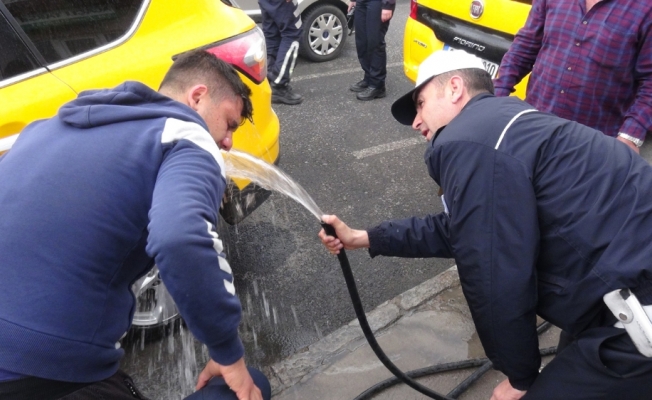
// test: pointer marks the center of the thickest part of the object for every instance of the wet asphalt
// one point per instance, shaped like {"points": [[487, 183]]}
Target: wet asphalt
{"points": [[355, 161]]}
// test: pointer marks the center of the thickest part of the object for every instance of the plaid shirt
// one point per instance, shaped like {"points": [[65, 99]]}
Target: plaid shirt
{"points": [[594, 68]]}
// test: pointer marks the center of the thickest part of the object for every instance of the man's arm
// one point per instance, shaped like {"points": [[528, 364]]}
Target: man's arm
{"points": [[638, 118], [188, 252], [520, 58], [388, 10], [411, 237]]}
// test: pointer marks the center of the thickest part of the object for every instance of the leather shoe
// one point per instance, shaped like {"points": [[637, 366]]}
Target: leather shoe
{"points": [[285, 95], [359, 86], [371, 93]]}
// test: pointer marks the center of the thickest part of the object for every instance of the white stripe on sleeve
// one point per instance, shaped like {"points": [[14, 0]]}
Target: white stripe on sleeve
{"points": [[176, 129]]}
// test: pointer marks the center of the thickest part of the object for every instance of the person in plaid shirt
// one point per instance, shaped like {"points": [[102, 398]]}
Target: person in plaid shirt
{"points": [[590, 62]]}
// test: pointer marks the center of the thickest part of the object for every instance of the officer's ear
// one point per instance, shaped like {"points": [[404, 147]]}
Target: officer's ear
{"points": [[455, 88]]}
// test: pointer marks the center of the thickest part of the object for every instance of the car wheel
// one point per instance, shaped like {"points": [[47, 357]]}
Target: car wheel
{"points": [[154, 304], [324, 33]]}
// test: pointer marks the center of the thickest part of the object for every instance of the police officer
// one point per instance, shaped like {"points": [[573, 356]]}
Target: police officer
{"points": [[371, 21], [282, 29], [543, 216]]}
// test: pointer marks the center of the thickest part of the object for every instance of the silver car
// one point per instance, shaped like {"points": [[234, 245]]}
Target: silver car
{"points": [[324, 26]]}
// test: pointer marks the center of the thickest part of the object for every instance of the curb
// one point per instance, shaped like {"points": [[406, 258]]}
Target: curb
{"points": [[318, 356]]}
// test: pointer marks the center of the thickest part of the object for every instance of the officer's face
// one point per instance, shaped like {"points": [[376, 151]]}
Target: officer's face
{"points": [[435, 107]]}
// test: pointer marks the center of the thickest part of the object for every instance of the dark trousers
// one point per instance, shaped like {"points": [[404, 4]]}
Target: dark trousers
{"points": [[601, 363], [370, 41], [282, 29], [117, 387]]}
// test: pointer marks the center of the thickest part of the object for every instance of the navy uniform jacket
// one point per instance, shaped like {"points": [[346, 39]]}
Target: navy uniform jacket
{"points": [[543, 217]]}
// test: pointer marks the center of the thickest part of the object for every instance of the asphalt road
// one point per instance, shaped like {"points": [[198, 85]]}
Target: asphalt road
{"points": [[355, 161]]}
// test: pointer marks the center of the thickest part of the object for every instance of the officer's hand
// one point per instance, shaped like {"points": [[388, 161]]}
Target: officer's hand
{"points": [[351, 5], [386, 15], [505, 391], [629, 144], [347, 238], [235, 375]]}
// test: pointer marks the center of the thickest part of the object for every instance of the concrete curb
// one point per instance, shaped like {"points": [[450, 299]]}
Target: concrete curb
{"points": [[318, 356]]}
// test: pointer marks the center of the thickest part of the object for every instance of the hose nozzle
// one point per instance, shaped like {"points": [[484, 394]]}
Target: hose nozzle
{"points": [[328, 228]]}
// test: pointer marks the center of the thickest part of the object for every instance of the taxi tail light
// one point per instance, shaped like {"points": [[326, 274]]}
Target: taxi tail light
{"points": [[246, 52], [413, 9]]}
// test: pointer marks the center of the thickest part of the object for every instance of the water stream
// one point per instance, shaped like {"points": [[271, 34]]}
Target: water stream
{"points": [[268, 176]]}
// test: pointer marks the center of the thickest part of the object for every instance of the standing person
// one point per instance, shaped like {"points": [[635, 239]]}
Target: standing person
{"points": [[537, 225], [91, 198], [371, 21], [282, 29], [590, 62]]}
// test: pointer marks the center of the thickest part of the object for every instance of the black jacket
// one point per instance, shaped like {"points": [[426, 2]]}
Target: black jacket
{"points": [[544, 217]]}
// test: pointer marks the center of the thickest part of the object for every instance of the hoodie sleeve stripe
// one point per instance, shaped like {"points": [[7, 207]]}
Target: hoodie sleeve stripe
{"points": [[219, 248], [176, 130]]}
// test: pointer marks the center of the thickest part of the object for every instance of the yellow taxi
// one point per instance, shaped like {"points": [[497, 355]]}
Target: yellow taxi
{"points": [[52, 50], [485, 28]]}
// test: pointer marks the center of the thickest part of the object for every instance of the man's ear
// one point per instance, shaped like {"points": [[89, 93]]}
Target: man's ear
{"points": [[456, 86], [196, 95]]}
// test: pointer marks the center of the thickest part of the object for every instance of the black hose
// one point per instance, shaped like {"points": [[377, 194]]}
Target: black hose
{"points": [[366, 329], [401, 376], [435, 369]]}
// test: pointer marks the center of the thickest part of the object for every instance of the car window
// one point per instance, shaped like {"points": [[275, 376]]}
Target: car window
{"points": [[15, 59], [65, 28]]}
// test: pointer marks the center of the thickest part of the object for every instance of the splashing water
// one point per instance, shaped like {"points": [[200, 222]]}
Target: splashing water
{"points": [[268, 176], [179, 358]]}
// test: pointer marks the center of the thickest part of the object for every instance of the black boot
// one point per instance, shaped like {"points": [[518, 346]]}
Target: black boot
{"points": [[371, 93], [285, 95], [359, 86]]}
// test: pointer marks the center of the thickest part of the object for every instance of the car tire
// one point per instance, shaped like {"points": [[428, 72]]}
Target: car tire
{"points": [[324, 33]]}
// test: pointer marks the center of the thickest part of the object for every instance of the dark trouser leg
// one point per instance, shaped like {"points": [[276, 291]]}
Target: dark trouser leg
{"points": [[119, 386], [217, 389], [370, 41], [37, 388], [601, 364], [272, 35], [360, 23], [284, 39]]}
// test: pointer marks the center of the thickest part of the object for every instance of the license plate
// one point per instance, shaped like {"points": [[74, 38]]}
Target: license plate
{"points": [[491, 67]]}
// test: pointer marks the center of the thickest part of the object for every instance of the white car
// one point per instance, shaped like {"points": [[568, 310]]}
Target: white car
{"points": [[324, 26]]}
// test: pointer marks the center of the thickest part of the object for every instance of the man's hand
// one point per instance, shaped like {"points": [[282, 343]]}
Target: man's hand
{"points": [[505, 391], [347, 238], [235, 375], [629, 144], [351, 5], [386, 15]]}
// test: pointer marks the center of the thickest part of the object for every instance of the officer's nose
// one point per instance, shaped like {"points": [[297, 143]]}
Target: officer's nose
{"points": [[416, 124]]}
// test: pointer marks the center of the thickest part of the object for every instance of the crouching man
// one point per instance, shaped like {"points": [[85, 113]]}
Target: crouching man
{"points": [[542, 216], [119, 180]]}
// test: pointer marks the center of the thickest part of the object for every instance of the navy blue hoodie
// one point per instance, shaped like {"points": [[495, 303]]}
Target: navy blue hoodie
{"points": [[90, 199]]}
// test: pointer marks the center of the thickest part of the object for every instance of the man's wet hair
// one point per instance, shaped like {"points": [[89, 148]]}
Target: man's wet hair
{"points": [[202, 67], [477, 80]]}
